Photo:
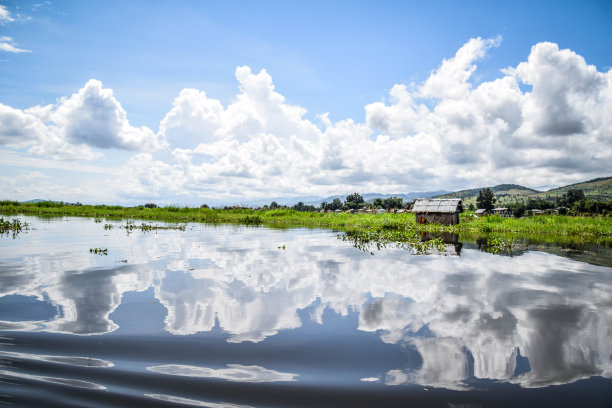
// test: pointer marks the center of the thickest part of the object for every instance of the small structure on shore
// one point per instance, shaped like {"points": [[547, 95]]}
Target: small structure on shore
{"points": [[481, 212], [442, 211], [503, 212]]}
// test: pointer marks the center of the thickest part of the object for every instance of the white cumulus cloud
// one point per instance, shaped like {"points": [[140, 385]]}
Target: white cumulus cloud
{"points": [[446, 132], [542, 122], [8, 45], [5, 15], [69, 129]]}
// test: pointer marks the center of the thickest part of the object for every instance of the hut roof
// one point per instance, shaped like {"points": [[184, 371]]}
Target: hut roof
{"points": [[481, 211], [438, 205]]}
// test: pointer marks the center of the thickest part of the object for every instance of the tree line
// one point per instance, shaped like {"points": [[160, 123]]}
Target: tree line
{"points": [[353, 201]]}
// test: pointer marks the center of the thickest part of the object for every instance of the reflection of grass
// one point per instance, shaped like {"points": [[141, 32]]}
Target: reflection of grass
{"points": [[398, 227]]}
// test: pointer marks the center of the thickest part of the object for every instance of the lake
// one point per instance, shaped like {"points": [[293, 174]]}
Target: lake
{"points": [[236, 316]]}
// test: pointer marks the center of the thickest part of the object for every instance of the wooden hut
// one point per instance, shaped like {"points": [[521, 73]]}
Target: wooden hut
{"points": [[442, 211], [481, 212]]}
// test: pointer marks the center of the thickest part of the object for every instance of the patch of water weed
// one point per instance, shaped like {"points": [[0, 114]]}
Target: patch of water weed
{"points": [[130, 225], [252, 220], [398, 235], [496, 245], [14, 226], [98, 251]]}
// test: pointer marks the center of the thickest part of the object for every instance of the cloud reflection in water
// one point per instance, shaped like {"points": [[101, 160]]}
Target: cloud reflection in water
{"points": [[479, 309], [233, 372]]}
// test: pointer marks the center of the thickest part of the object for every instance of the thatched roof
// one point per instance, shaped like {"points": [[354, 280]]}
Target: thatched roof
{"points": [[436, 205]]}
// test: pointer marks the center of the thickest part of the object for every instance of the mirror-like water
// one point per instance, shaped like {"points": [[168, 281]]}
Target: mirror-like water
{"points": [[226, 316]]}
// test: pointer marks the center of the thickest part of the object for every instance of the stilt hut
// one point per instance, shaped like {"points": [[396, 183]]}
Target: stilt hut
{"points": [[442, 211]]}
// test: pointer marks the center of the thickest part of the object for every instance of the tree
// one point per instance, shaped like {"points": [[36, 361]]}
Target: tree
{"points": [[518, 209], [336, 204], [355, 198], [274, 205], [354, 201], [378, 203], [486, 199], [392, 202], [538, 204], [572, 195], [303, 207]]}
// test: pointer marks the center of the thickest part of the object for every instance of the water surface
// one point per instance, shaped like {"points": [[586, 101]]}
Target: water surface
{"points": [[228, 316]]}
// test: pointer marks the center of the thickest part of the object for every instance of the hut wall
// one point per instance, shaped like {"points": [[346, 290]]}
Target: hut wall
{"points": [[445, 219]]}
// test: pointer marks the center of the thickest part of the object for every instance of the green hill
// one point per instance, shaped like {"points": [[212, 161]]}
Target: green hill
{"points": [[504, 193], [599, 189]]}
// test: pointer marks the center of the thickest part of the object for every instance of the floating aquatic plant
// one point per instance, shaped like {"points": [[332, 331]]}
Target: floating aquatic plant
{"points": [[399, 235], [14, 226], [130, 225], [495, 245], [252, 220]]}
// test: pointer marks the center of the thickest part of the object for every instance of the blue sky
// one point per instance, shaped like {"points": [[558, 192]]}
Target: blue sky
{"points": [[340, 58]]}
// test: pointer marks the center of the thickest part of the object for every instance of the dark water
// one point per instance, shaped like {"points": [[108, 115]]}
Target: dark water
{"points": [[225, 317]]}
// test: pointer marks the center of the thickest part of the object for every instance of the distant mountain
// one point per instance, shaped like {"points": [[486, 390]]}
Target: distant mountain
{"points": [[596, 189], [36, 200]]}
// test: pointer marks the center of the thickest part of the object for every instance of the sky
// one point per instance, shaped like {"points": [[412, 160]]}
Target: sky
{"points": [[226, 102]]}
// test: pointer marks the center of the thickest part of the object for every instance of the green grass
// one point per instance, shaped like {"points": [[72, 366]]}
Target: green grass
{"points": [[387, 226]]}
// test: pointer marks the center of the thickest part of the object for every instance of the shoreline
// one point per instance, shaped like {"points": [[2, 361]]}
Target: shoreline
{"points": [[391, 225]]}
